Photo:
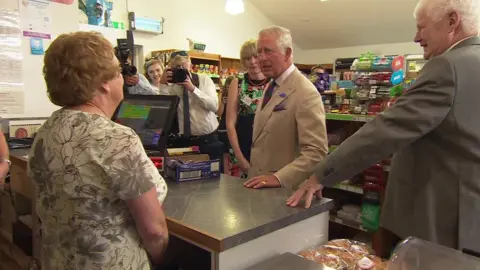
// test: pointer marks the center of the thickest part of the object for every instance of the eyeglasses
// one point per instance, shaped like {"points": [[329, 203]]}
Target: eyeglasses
{"points": [[181, 53]]}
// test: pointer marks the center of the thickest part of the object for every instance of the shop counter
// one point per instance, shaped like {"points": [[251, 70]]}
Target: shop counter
{"points": [[241, 227]]}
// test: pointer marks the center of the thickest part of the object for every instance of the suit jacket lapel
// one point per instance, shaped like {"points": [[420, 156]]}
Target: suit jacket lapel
{"points": [[279, 95]]}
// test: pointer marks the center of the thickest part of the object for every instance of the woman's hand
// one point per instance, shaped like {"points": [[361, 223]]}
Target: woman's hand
{"points": [[132, 80], [4, 168], [243, 164]]}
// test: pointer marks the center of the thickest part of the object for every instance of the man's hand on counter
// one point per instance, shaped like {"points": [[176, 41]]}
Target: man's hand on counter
{"points": [[263, 181], [308, 188]]}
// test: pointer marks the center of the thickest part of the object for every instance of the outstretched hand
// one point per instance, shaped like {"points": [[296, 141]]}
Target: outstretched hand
{"points": [[307, 190]]}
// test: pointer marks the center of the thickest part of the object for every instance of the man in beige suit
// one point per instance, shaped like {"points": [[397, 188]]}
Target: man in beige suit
{"points": [[289, 135], [433, 190]]}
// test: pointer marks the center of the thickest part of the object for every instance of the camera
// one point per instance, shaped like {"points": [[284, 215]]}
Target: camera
{"points": [[123, 54], [179, 75]]}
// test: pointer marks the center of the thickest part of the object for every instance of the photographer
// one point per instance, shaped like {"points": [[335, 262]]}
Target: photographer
{"points": [[198, 106], [136, 84]]}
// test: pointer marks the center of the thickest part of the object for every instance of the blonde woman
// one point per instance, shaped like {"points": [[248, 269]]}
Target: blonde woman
{"points": [[243, 97], [99, 195], [153, 72]]}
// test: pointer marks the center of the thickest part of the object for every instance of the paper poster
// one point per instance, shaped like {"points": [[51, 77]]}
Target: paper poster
{"points": [[36, 46], [36, 18], [12, 102], [65, 2], [10, 50]]}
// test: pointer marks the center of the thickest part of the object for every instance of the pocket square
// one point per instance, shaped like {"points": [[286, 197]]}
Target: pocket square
{"points": [[279, 107]]}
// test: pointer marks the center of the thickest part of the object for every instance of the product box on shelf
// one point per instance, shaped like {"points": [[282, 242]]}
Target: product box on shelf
{"points": [[192, 167]]}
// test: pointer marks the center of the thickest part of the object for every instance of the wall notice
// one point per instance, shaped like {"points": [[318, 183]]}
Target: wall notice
{"points": [[36, 18], [12, 96], [10, 48], [12, 102]]}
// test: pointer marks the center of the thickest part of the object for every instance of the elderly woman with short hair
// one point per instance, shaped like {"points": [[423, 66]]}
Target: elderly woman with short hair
{"points": [[98, 194]]}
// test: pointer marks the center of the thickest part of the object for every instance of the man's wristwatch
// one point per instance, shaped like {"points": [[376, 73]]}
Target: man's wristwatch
{"points": [[6, 161]]}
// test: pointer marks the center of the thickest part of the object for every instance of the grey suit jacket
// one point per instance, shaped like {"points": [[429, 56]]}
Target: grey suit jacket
{"points": [[433, 190]]}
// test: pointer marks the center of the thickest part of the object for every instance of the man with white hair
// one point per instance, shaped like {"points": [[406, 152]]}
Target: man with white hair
{"points": [[433, 190], [289, 134]]}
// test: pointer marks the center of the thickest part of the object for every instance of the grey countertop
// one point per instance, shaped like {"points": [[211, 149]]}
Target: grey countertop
{"points": [[221, 213], [231, 214]]}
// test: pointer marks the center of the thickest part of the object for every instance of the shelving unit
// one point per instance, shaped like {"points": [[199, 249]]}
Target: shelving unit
{"points": [[351, 224], [306, 68], [349, 117], [414, 63], [368, 95]]}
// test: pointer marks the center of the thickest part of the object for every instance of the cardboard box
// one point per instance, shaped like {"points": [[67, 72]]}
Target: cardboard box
{"points": [[193, 167]]}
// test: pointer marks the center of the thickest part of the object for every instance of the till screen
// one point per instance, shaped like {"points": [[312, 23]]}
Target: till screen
{"points": [[147, 118]]}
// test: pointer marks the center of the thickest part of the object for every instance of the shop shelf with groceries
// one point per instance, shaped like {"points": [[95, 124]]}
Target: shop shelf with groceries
{"points": [[348, 223], [345, 185], [349, 117]]}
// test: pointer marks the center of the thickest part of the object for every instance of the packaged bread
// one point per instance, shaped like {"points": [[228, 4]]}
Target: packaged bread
{"points": [[309, 254], [343, 254], [370, 262], [331, 261], [353, 246]]}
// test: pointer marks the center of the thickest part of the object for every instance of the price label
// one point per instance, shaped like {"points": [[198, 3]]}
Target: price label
{"points": [[247, 100], [372, 82], [359, 118]]}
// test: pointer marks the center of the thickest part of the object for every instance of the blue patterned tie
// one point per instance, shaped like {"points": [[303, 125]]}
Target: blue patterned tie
{"points": [[186, 113], [268, 93]]}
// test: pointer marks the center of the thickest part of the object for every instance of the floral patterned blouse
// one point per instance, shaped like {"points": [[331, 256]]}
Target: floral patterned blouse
{"points": [[85, 167], [250, 94]]}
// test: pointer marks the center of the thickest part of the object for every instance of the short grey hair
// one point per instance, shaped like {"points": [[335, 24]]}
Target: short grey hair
{"points": [[469, 11], [284, 36]]}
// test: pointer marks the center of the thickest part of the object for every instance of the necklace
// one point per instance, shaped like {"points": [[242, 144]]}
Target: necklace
{"points": [[98, 109], [254, 84]]}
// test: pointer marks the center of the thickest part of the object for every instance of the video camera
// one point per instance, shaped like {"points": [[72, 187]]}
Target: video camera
{"points": [[124, 54]]}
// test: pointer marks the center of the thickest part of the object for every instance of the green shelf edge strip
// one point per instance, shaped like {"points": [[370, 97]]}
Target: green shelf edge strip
{"points": [[349, 117]]}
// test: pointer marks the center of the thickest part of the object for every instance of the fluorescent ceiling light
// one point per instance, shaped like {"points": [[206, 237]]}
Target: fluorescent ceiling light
{"points": [[234, 7]]}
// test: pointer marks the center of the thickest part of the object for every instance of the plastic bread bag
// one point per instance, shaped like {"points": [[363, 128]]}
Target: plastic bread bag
{"points": [[418, 254], [343, 254], [312, 242]]}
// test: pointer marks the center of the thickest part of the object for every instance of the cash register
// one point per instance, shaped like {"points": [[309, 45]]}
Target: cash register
{"points": [[151, 117]]}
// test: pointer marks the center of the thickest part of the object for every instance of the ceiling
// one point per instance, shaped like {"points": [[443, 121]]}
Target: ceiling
{"points": [[317, 24]]}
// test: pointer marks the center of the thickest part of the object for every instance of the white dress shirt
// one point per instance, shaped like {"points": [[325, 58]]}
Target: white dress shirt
{"points": [[143, 87], [281, 79], [203, 105]]}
